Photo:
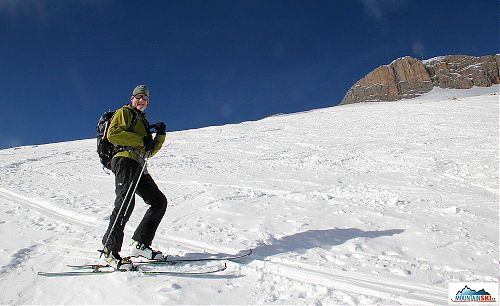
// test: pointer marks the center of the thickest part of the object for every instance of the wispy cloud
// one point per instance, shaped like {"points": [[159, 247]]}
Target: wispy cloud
{"points": [[8, 5], [16, 8], [418, 49], [43, 10], [379, 9]]}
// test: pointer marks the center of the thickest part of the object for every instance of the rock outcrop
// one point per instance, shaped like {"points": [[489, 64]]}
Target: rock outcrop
{"points": [[408, 77]]}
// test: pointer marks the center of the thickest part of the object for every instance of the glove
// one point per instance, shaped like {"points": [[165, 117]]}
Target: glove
{"points": [[160, 128], [149, 144]]}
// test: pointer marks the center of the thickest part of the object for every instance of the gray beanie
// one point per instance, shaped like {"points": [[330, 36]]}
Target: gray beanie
{"points": [[140, 89]]}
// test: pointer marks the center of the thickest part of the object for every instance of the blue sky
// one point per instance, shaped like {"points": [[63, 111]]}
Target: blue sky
{"points": [[64, 62]]}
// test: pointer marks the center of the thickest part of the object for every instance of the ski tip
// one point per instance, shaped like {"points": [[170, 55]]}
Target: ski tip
{"points": [[243, 254]]}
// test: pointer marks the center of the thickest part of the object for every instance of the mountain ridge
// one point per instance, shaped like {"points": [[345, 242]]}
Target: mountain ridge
{"points": [[408, 77]]}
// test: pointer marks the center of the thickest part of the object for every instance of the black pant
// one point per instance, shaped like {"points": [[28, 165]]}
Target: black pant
{"points": [[126, 172]]}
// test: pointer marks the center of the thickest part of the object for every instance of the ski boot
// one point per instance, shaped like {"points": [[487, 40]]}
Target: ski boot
{"points": [[117, 262], [142, 250]]}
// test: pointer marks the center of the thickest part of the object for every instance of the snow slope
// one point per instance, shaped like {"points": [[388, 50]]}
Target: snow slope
{"points": [[376, 203]]}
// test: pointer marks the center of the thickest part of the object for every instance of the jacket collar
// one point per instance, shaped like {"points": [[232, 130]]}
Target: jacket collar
{"points": [[129, 105]]}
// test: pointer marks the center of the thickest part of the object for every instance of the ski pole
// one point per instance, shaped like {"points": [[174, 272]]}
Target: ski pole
{"points": [[121, 206]]}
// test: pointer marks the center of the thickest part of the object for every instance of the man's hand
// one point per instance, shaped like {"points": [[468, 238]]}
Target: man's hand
{"points": [[160, 128]]}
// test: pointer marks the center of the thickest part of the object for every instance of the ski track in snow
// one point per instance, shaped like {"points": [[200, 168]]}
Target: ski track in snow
{"points": [[379, 203]]}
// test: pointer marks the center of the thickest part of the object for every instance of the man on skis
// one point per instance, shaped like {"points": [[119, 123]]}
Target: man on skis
{"points": [[129, 131]]}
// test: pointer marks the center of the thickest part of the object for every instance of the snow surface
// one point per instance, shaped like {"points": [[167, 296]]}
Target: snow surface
{"points": [[372, 203]]}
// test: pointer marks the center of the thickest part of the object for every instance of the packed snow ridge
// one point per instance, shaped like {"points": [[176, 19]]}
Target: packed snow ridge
{"points": [[362, 204]]}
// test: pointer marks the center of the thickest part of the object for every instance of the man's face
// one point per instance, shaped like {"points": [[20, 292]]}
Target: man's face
{"points": [[140, 101]]}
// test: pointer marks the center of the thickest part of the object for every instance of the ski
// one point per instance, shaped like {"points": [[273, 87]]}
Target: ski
{"points": [[88, 266], [175, 260], [97, 269], [74, 273], [187, 273]]}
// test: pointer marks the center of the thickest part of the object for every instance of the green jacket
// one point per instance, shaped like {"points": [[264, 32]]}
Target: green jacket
{"points": [[122, 133]]}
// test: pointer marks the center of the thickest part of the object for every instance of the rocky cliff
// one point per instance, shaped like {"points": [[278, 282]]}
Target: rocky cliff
{"points": [[408, 77]]}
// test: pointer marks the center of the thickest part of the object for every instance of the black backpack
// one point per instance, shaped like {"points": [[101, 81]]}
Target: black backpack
{"points": [[106, 149]]}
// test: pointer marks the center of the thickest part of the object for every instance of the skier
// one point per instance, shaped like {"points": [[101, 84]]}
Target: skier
{"points": [[130, 132]]}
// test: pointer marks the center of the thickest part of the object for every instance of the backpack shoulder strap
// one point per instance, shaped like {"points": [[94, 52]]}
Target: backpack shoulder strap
{"points": [[134, 117]]}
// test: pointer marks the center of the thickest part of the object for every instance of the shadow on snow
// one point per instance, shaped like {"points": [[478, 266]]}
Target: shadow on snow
{"points": [[301, 242]]}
